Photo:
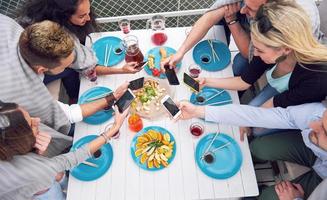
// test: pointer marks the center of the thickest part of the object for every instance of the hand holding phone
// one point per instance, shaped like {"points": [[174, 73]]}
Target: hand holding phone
{"points": [[171, 107], [136, 84], [171, 75], [141, 65], [125, 100], [191, 82]]}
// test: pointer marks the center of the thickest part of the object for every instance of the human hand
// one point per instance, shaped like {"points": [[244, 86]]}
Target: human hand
{"points": [[202, 82], [289, 191], [131, 68], [119, 120], [188, 110], [171, 61], [121, 90], [245, 131], [42, 142], [231, 11]]}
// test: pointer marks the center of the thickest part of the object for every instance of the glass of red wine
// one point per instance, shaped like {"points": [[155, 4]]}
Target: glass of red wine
{"points": [[157, 24], [194, 70], [197, 129], [125, 26], [133, 52]]}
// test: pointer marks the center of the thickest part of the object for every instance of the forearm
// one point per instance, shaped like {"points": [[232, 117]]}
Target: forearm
{"points": [[243, 115], [72, 159], [241, 38], [89, 109], [102, 70], [231, 83], [200, 29]]}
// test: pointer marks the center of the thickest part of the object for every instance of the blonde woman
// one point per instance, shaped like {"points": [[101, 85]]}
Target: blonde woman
{"points": [[285, 46]]}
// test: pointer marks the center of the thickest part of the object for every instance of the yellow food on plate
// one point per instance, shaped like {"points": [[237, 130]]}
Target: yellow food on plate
{"points": [[154, 149], [163, 53], [151, 61]]}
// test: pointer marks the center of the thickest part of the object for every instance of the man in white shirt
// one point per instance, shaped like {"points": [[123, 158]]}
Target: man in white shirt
{"points": [[307, 146]]}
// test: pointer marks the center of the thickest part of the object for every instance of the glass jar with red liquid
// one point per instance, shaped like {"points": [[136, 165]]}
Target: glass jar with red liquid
{"points": [[133, 52], [157, 24], [196, 129], [135, 122]]}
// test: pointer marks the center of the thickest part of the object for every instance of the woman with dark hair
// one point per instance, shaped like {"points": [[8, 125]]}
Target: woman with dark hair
{"points": [[78, 17], [18, 131]]}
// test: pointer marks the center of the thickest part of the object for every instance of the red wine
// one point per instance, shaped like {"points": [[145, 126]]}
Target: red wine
{"points": [[194, 73], [159, 38], [196, 130]]}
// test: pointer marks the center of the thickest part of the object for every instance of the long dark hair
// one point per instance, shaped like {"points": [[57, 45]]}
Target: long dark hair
{"points": [[58, 11], [16, 135]]}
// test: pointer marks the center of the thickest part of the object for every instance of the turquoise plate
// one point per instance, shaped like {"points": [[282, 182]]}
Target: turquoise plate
{"points": [[227, 161], [99, 48], [100, 116], [157, 59], [203, 49], [207, 92], [87, 173], [133, 147]]}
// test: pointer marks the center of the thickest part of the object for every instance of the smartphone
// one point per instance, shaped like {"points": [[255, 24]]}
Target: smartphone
{"points": [[171, 107], [125, 100], [191, 82], [141, 65], [171, 75], [136, 84]]}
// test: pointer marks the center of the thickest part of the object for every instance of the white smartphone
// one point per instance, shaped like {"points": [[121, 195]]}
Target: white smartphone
{"points": [[171, 107], [124, 101]]}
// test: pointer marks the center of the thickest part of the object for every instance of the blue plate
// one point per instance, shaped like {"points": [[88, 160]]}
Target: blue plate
{"points": [[87, 173], [207, 92], [100, 116], [203, 49], [99, 48], [157, 59], [227, 161], [133, 147]]}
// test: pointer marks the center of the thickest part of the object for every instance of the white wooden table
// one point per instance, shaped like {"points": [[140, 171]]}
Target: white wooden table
{"points": [[182, 179]]}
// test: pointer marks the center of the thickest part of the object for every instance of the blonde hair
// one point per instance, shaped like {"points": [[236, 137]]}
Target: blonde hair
{"points": [[45, 43], [292, 29]]}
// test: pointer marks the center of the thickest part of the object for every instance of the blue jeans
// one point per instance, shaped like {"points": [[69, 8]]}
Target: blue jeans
{"points": [[70, 80], [55, 191], [239, 64]]}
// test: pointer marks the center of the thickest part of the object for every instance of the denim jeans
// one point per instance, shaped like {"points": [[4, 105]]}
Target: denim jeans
{"points": [[55, 192], [70, 80]]}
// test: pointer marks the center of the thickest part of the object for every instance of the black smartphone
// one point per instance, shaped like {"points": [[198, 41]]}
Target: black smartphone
{"points": [[136, 84], [171, 75], [171, 107], [191, 82], [125, 100], [141, 65]]}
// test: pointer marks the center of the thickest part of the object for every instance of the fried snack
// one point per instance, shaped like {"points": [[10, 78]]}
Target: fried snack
{"points": [[154, 149], [163, 53], [151, 61]]}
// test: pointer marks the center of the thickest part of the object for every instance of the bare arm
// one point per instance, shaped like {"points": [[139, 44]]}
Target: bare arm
{"points": [[199, 30], [231, 83], [128, 68], [241, 38]]}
